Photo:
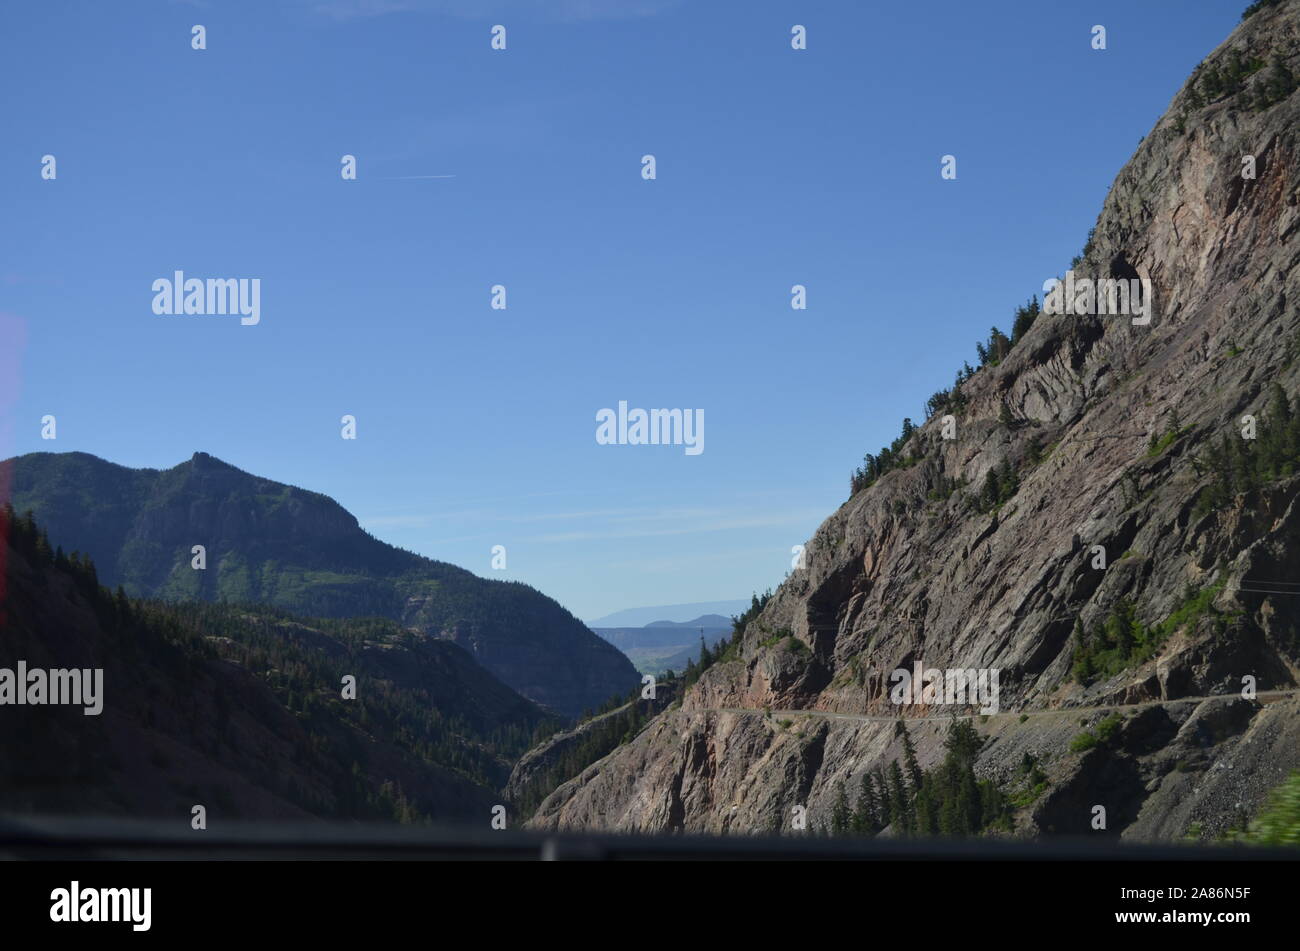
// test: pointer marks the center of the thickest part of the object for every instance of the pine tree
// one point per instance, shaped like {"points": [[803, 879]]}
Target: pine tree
{"points": [[999, 345], [1025, 317], [1008, 481], [119, 608], [914, 774], [949, 821], [898, 805], [968, 803], [927, 822], [840, 814], [963, 740], [880, 800], [44, 554], [864, 819], [989, 497], [28, 525]]}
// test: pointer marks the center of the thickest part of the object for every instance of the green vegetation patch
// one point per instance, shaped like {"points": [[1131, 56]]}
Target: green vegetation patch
{"points": [[1122, 641]]}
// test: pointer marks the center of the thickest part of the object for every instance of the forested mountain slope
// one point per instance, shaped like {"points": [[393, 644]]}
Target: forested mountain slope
{"points": [[242, 710], [280, 545]]}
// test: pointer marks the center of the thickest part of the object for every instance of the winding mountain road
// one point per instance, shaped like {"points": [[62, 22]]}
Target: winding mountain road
{"points": [[1263, 696]]}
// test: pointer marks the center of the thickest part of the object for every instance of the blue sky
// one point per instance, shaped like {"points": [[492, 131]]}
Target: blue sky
{"points": [[476, 427]]}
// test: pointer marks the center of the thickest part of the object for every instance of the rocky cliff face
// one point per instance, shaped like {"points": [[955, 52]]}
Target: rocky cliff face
{"points": [[568, 753], [1108, 426], [270, 543]]}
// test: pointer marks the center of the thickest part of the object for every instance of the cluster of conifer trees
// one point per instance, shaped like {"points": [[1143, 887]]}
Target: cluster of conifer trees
{"points": [[1257, 6], [428, 727], [1214, 83], [947, 800], [731, 646], [1237, 465], [1000, 484], [179, 638], [29, 539], [1122, 641]]}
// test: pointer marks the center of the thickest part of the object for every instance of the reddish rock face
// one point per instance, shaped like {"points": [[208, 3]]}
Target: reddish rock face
{"points": [[1105, 423]]}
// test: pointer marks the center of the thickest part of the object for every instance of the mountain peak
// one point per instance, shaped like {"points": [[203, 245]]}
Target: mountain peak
{"points": [[207, 461], [272, 543]]}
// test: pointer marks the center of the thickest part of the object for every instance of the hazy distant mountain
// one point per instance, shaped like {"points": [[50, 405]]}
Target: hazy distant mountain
{"points": [[666, 645], [276, 544], [670, 613], [666, 633], [704, 620]]}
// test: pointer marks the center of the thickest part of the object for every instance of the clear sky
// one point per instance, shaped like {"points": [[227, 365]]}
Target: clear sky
{"points": [[476, 427]]}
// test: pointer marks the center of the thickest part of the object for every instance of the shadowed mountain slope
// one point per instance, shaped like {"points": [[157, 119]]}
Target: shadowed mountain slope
{"points": [[240, 710]]}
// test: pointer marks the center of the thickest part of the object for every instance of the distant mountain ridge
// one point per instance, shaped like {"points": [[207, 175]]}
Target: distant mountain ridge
{"points": [[664, 633], [704, 620], [667, 645], [276, 544], [671, 613]]}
